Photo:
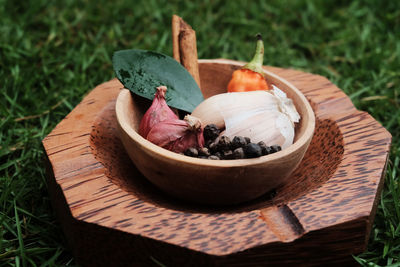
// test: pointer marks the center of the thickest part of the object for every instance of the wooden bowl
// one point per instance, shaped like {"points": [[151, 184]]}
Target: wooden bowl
{"points": [[209, 181]]}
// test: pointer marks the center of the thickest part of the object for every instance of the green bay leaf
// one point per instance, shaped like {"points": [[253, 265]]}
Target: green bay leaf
{"points": [[143, 71]]}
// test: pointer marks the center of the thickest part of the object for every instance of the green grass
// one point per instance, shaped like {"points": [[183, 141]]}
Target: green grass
{"points": [[53, 52]]}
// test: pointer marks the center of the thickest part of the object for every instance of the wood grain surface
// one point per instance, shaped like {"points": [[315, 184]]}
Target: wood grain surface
{"points": [[111, 214]]}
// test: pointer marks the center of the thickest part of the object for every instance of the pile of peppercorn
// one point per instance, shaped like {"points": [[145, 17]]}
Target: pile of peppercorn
{"points": [[221, 147]]}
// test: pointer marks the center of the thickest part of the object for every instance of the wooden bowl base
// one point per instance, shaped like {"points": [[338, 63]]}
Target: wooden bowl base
{"points": [[112, 215]]}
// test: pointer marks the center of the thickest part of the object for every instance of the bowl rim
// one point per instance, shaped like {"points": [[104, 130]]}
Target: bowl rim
{"points": [[179, 158]]}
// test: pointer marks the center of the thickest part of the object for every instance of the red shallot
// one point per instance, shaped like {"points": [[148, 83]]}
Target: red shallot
{"points": [[177, 135], [158, 111]]}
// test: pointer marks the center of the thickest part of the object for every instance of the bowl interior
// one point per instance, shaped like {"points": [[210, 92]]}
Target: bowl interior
{"points": [[214, 79]]}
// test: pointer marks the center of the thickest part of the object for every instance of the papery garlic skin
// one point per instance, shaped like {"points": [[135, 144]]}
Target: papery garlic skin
{"points": [[286, 105], [260, 115], [218, 107]]}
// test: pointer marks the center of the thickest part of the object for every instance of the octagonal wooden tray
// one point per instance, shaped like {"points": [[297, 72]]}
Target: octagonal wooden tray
{"points": [[112, 216]]}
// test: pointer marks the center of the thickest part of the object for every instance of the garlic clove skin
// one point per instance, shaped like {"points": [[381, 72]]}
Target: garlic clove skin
{"points": [[208, 111], [286, 105], [271, 127], [214, 109]]}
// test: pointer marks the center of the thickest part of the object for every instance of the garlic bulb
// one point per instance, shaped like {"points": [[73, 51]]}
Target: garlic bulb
{"points": [[267, 116], [286, 104]]}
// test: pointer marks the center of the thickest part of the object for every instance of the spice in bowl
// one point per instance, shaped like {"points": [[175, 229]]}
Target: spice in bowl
{"points": [[162, 127], [254, 118]]}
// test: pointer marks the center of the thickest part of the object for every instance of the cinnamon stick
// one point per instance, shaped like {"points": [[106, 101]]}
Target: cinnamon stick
{"points": [[176, 27], [185, 47]]}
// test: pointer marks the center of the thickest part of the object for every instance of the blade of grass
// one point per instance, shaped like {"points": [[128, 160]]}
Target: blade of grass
{"points": [[56, 51], [20, 238]]}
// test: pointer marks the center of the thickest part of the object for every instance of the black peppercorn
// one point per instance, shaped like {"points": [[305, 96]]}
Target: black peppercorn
{"points": [[191, 152], [247, 140], [238, 153], [228, 154], [213, 157], [261, 143], [252, 150], [213, 146], [224, 143], [210, 132], [266, 150], [208, 143], [218, 154], [275, 148], [204, 151], [238, 141]]}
